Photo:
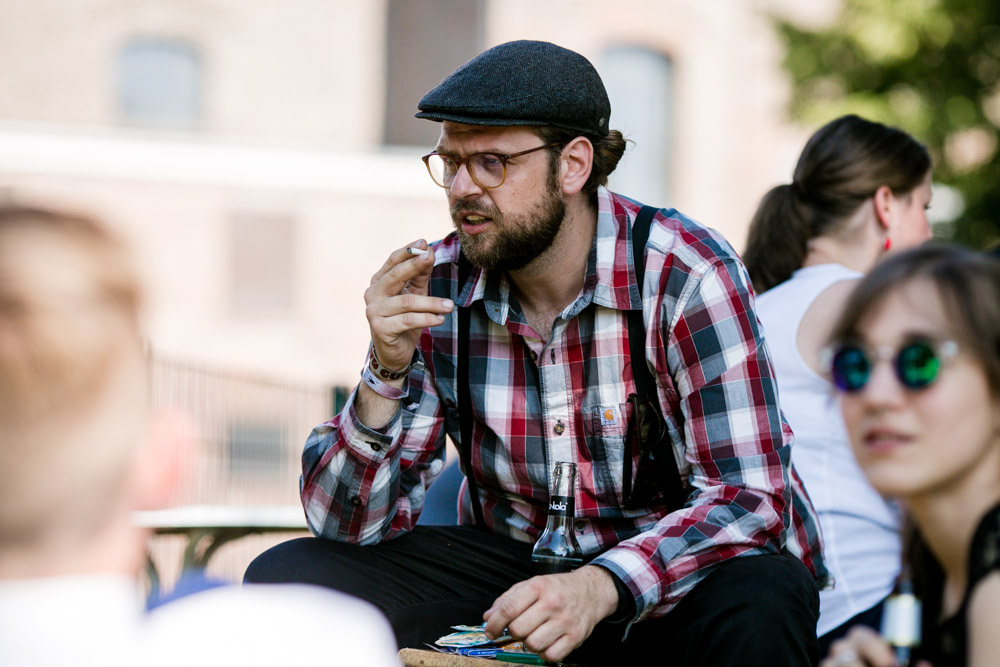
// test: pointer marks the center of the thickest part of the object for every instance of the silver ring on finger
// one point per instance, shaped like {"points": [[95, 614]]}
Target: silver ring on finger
{"points": [[846, 657]]}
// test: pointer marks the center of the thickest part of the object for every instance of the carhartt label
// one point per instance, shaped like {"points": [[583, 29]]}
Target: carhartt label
{"points": [[561, 505], [609, 416]]}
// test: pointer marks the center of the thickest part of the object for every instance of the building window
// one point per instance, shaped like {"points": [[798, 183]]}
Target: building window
{"points": [[159, 83], [426, 40], [262, 264], [640, 86], [254, 449]]}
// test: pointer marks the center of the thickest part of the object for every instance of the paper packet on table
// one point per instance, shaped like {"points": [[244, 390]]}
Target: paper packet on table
{"points": [[471, 640], [469, 636]]}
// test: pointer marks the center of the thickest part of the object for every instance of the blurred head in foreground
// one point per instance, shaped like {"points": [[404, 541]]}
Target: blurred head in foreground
{"points": [[74, 410]]}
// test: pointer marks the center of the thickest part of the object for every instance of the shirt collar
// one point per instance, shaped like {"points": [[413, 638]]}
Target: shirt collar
{"points": [[610, 279]]}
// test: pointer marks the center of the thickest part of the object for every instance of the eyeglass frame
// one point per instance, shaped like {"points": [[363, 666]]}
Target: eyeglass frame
{"points": [[503, 157], [944, 350]]}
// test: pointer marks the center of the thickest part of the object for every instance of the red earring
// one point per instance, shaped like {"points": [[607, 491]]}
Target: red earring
{"points": [[887, 244]]}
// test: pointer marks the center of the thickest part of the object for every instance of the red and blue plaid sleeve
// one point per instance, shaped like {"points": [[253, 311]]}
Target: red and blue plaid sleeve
{"points": [[362, 485]]}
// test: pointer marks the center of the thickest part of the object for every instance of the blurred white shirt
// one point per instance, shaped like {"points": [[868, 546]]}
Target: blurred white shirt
{"points": [[100, 620], [860, 529]]}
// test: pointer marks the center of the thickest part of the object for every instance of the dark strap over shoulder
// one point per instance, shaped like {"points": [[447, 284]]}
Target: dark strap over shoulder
{"points": [[463, 395], [645, 385]]}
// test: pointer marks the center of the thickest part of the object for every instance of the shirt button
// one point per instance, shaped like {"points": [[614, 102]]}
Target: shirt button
{"points": [[558, 428], [580, 525], [375, 446], [356, 501], [534, 355]]}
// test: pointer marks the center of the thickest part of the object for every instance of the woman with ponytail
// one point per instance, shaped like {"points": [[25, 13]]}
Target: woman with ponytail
{"points": [[860, 190]]}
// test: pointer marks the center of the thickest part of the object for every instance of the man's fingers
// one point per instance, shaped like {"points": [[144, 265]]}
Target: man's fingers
{"points": [[392, 260], [403, 266], [559, 649], [530, 623], [551, 635], [862, 647], [541, 638], [508, 607], [399, 276], [408, 303], [389, 328]]}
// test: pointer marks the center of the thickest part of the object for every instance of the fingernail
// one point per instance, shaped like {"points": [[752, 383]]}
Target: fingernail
{"points": [[448, 303]]}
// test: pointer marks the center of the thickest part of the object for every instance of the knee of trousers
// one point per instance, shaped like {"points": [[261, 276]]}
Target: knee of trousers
{"points": [[769, 589], [302, 560]]}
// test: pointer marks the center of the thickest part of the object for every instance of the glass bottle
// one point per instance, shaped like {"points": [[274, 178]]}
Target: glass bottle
{"points": [[901, 619], [557, 549]]}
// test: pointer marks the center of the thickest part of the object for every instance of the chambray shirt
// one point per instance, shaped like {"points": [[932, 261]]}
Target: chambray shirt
{"points": [[536, 402]]}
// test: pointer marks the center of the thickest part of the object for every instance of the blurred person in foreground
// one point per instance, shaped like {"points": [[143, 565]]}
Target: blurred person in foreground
{"points": [[915, 359], [80, 451], [860, 191], [542, 269]]}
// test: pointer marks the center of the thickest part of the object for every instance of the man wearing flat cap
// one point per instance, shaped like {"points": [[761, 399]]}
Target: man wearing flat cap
{"points": [[512, 336]]}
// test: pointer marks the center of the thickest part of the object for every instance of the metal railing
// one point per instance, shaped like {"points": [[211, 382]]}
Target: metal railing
{"points": [[248, 432]]}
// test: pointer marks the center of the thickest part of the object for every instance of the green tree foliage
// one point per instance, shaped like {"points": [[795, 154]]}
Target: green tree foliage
{"points": [[931, 67]]}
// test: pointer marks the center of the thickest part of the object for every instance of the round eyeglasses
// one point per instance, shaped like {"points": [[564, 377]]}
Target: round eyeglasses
{"points": [[487, 170], [917, 363]]}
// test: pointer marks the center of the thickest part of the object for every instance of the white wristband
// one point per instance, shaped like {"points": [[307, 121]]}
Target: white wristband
{"points": [[381, 388]]}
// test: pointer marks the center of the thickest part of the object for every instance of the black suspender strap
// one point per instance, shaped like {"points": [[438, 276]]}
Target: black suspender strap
{"points": [[464, 397], [645, 385]]}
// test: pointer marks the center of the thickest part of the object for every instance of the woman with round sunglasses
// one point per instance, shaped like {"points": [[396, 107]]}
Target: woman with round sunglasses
{"points": [[915, 360], [859, 191]]}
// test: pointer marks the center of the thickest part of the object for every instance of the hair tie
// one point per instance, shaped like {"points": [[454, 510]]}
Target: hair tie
{"points": [[799, 192]]}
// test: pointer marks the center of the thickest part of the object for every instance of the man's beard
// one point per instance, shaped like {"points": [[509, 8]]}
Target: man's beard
{"points": [[516, 242]]}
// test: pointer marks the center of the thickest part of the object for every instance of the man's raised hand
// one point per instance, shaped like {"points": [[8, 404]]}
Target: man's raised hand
{"points": [[398, 307]]}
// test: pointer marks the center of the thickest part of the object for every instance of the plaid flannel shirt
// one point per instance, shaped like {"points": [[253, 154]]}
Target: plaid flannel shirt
{"points": [[537, 402]]}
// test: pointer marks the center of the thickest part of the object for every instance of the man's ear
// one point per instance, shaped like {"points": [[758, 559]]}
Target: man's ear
{"points": [[883, 200], [575, 165], [162, 460]]}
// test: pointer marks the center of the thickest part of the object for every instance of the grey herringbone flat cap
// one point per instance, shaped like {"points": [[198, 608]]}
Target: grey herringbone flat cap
{"points": [[523, 83]]}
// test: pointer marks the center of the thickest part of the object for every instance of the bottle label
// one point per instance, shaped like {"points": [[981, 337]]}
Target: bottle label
{"points": [[561, 505], [901, 620]]}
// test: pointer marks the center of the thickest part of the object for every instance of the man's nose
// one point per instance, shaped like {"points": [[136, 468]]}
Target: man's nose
{"points": [[463, 185]]}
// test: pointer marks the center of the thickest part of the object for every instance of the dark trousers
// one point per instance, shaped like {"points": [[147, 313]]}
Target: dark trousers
{"points": [[759, 610]]}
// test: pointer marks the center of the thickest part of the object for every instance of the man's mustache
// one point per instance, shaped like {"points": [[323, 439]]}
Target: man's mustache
{"points": [[474, 206]]}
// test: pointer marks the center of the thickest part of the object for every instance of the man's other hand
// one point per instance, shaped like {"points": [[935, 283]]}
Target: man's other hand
{"points": [[554, 613]]}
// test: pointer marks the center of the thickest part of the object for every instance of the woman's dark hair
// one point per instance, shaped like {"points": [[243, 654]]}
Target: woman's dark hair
{"points": [[607, 152], [841, 166], [967, 284]]}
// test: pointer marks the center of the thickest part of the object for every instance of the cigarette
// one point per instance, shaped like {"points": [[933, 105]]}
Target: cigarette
{"points": [[415, 251]]}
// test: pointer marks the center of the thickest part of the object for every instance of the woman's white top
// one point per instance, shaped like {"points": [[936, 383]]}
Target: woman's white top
{"points": [[860, 529]]}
